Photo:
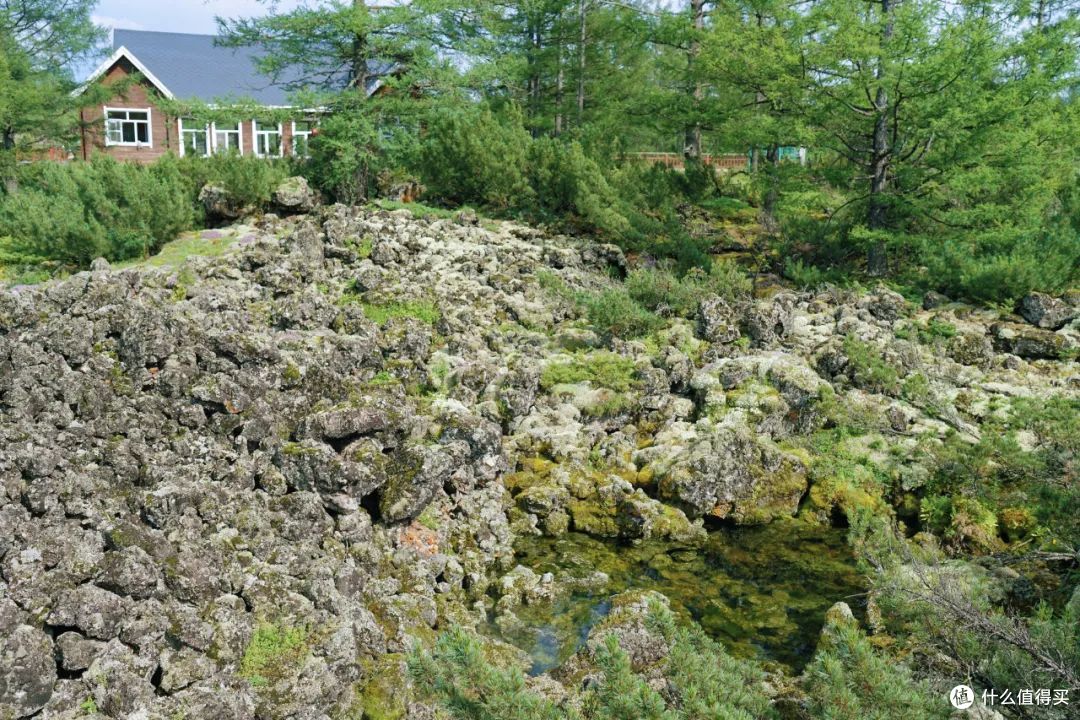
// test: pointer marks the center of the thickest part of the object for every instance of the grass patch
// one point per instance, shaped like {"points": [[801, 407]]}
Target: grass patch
{"points": [[422, 310], [601, 369], [273, 653], [173, 254], [418, 210]]}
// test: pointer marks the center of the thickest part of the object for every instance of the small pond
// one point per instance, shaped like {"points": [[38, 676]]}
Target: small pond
{"points": [[762, 592]]}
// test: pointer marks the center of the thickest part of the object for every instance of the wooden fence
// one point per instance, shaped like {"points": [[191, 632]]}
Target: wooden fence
{"points": [[678, 162]]}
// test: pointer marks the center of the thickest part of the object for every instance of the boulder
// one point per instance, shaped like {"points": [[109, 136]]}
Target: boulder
{"points": [[728, 474], [219, 204], [294, 195], [416, 473], [1028, 342], [767, 322], [933, 300], [1044, 311], [718, 322], [27, 672]]}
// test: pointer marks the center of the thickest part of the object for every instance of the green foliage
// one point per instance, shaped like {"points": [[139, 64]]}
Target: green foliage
{"points": [[273, 653], [869, 370], [704, 682], [602, 369], [996, 476], [566, 182], [961, 520], [470, 687], [659, 289], [76, 212], [250, 180], [850, 680], [421, 310], [473, 156], [615, 313]]}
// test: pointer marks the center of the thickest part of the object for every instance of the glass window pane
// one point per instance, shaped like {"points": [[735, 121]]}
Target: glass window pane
{"points": [[137, 115], [117, 114], [128, 132], [143, 132]]}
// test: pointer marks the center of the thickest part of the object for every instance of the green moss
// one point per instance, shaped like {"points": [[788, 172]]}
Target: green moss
{"points": [[363, 250], [601, 369], [424, 311], [89, 706], [772, 493], [295, 448], [173, 254], [381, 696], [418, 210], [429, 518], [590, 517], [273, 654], [382, 379], [291, 374]]}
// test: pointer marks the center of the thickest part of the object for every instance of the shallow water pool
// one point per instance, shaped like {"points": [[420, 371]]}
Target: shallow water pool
{"points": [[761, 591]]}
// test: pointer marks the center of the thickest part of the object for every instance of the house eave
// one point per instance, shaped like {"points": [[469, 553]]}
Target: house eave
{"points": [[122, 53]]}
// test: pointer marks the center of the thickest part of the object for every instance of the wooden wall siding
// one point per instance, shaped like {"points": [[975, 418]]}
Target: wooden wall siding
{"points": [[165, 130], [137, 96]]}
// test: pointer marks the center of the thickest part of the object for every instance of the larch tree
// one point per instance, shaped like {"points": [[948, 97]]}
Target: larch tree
{"points": [[42, 41]]}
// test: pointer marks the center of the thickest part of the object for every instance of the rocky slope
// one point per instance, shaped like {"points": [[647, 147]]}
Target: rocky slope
{"points": [[243, 488]]}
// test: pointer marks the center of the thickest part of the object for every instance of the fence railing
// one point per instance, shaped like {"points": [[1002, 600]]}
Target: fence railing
{"points": [[732, 161]]}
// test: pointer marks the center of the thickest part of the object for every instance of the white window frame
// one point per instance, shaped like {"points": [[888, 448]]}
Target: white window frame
{"points": [[149, 128], [256, 133], [206, 130], [307, 134], [239, 134]]}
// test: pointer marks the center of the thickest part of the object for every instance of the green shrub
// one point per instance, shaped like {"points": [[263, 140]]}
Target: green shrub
{"points": [[458, 676], [103, 208], [850, 680], [565, 182], [602, 369], [251, 180], [868, 368], [702, 682], [473, 156], [615, 313], [657, 289], [999, 268]]}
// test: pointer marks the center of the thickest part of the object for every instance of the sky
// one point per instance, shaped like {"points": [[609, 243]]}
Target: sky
{"points": [[185, 16], [189, 16]]}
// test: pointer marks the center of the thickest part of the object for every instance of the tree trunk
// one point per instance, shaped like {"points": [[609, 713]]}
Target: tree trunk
{"points": [[582, 39], [560, 79], [877, 261], [359, 67], [692, 146], [535, 45], [772, 189]]}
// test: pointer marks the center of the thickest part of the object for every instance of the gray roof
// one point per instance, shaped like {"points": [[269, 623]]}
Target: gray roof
{"points": [[194, 67]]}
